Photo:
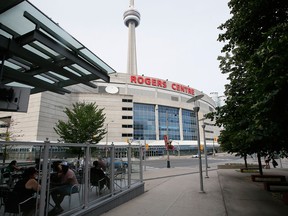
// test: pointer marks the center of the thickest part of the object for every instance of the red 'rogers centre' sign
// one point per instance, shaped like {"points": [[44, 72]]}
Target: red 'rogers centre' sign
{"points": [[141, 80]]}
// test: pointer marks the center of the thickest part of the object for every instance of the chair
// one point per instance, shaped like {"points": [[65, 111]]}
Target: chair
{"points": [[75, 189], [97, 184], [23, 203], [119, 175], [12, 205], [6, 177], [97, 179], [4, 190]]}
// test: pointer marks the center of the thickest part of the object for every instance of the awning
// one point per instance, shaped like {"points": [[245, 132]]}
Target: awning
{"points": [[37, 53]]}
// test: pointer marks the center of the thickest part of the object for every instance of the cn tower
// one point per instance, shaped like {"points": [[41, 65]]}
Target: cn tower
{"points": [[131, 20]]}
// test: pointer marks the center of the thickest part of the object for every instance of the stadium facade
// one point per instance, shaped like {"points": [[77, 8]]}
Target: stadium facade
{"points": [[137, 108]]}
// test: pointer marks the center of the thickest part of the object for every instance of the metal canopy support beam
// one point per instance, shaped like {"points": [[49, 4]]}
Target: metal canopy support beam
{"points": [[39, 53], [16, 50], [100, 72], [41, 37], [30, 80], [64, 83]]}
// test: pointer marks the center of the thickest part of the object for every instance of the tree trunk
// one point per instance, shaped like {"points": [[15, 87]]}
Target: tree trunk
{"points": [[245, 161], [4, 155], [259, 163]]}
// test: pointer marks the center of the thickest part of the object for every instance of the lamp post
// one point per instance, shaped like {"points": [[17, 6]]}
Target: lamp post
{"points": [[196, 110], [167, 141], [213, 148], [107, 137], [205, 151]]}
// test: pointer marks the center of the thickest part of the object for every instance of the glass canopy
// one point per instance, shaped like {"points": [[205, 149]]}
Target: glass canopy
{"points": [[37, 53]]}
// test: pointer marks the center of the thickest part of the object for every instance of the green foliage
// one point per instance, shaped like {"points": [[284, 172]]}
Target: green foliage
{"points": [[9, 135], [256, 61], [85, 124]]}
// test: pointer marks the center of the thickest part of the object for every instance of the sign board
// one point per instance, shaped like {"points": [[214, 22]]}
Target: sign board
{"points": [[14, 99], [147, 147]]}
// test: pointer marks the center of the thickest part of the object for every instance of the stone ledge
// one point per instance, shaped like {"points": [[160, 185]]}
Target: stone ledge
{"points": [[265, 178], [112, 202]]}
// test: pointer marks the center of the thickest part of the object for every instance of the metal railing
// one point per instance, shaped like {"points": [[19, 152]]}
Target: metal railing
{"points": [[123, 172]]}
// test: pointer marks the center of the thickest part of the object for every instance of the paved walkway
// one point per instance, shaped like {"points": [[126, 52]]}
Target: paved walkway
{"points": [[228, 192]]}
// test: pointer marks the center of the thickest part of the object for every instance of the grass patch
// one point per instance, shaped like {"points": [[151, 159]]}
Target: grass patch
{"points": [[236, 166]]}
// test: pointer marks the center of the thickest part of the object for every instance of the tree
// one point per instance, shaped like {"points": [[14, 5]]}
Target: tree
{"points": [[85, 124], [255, 57], [10, 134]]}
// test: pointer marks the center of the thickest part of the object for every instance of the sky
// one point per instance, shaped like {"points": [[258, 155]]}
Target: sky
{"points": [[176, 39]]}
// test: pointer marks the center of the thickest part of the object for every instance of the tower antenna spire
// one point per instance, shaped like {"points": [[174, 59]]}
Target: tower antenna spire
{"points": [[131, 20]]}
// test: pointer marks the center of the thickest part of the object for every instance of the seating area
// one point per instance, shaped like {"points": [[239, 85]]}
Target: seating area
{"points": [[264, 178], [8, 198], [10, 179], [278, 186], [274, 181], [120, 178]]}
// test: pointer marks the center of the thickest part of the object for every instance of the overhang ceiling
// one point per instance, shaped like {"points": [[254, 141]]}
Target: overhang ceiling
{"points": [[37, 53]]}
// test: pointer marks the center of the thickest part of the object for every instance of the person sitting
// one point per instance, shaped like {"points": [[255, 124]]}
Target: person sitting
{"points": [[9, 175], [26, 188], [98, 177], [267, 162], [61, 185], [102, 163], [12, 167]]}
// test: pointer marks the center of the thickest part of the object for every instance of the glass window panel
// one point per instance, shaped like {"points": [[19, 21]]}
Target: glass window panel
{"points": [[11, 65], [94, 58], [81, 69], [72, 71], [189, 125], [44, 79], [169, 122], [58, 75], [144, 122], [37, 52], [19, 85]]}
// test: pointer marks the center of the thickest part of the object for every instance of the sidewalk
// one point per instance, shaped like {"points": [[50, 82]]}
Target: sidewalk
{"points": [[175, 191]]}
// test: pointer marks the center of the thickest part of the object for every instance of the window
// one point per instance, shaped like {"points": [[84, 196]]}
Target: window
{"points": [[127, 126], [126, 117], [127, 108], [144, 122], [127, 134], [189, 125], [127, 100], [169, 122]]}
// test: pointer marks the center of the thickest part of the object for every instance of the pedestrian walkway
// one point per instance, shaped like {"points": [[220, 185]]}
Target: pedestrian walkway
{"points": [[228, 192]]}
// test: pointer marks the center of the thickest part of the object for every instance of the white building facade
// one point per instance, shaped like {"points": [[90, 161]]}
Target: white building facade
{"points": [[138, 109]]}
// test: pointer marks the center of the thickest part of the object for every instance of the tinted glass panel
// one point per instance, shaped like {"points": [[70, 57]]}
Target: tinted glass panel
{"points": [[169, 122], [144, 122]]}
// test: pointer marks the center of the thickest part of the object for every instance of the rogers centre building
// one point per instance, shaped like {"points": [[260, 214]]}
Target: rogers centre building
{"points": [[138, 109]]}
